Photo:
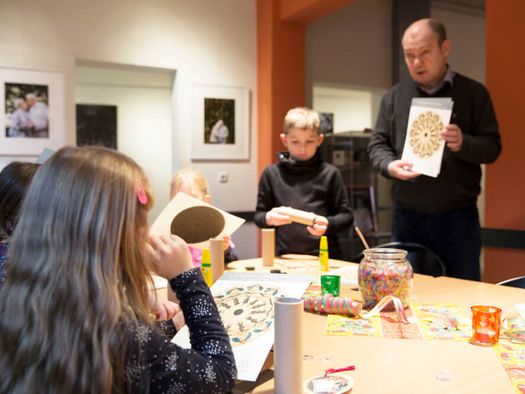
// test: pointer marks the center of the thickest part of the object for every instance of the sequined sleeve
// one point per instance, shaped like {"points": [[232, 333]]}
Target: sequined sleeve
{"points": [[163, 367]]}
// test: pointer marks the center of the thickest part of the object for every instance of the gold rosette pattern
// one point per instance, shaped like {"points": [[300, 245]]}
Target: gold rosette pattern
{"points": [[425, 134]]}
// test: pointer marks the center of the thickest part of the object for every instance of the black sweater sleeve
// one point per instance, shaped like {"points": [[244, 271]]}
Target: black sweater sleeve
{"points": [[159, 366], [481, 144], [342, 217], [380, 147], [265, 199]]}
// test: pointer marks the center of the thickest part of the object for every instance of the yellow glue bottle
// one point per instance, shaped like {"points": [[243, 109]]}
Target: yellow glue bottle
{"points": [[323, 253], [206, 267]]}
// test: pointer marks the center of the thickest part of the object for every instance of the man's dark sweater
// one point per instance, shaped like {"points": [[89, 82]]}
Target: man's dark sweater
{"points": [[458, 183], [312, 186]]}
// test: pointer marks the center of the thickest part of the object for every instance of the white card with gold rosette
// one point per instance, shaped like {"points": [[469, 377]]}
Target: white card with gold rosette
{"points": [[194, 221], [424, 145]]}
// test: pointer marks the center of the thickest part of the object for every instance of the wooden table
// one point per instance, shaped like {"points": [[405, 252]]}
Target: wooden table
{"points": [[306, 265], [386, 365]]}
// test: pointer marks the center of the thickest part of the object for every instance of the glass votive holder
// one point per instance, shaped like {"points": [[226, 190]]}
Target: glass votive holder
{"points": [[485, 325], [331, 284]]}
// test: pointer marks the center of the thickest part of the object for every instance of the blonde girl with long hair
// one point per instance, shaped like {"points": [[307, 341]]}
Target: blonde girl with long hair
{"points": [[74, 312]]}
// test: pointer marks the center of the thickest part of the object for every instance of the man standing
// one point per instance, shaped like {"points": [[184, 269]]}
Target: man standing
{"points": [[439, 213]]}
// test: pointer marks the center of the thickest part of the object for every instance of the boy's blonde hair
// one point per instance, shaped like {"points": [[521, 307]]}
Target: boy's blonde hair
{"points": [[302, 118], [189, 176]]}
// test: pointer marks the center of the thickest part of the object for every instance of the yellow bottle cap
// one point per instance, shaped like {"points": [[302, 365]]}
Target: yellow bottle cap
{"points": [[206, 259], [323, 244]]}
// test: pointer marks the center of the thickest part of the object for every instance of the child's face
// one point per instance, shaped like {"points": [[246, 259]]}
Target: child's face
{"points": [[193, 191], [302, 143]]}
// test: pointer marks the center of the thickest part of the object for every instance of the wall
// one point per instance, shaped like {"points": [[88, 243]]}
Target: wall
{"points": [[143, 100], [467, 32], [350, 48], [205, 41], [352, 108], [505, 185]]}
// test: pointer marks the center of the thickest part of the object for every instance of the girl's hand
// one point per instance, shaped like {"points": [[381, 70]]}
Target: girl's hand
{"points": [[169, 255], [162, 309]]}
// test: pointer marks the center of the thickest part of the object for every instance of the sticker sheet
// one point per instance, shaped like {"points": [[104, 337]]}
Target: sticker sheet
{"points": [[512, 357], [428, 321]]}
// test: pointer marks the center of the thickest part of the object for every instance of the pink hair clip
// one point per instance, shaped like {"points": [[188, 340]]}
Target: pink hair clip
{"points": [[142, 197]]}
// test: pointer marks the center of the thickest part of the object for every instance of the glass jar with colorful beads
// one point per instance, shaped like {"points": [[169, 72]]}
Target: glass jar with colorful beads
{"points": [[382, 272]]}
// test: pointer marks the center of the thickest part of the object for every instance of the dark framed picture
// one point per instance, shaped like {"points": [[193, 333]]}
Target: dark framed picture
{"points": [[97, 125]]}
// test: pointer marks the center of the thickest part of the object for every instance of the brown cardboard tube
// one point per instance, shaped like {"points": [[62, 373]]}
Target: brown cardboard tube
{"points": [[268, 246], [217, 257]]}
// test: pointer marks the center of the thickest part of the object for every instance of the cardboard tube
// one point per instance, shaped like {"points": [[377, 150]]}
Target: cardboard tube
{"points": [[217, 257], [288, 346], [268, 246], [298, 216]]}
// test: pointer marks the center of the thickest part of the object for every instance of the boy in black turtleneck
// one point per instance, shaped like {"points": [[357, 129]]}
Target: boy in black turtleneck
{"points": [[302, 180]]}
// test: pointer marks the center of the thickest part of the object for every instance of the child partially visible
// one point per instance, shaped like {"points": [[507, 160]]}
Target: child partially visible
{"points": [[14, 181], [74, 311], [194, 184], [302, 180]]}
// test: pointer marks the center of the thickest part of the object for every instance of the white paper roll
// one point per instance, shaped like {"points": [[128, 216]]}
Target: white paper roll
{"points": [[288, 346], [217, 257], [268, 246], [298, 216]]}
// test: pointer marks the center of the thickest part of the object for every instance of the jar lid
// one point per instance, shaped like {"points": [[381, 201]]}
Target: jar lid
{"points": [[385, 252]]}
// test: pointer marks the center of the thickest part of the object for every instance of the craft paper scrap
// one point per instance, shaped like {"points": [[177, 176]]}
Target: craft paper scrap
{"points": [[512, 357], [430, 321], [383, 326], [245, 302], [343, 326], [423, 143], [44, 155], [393, 329], [194, 221], [442, 321]]}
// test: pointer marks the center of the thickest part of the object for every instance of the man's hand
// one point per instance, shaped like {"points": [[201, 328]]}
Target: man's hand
{"points": [[274, 218], [319, 227], [453, 137], [402, 170]]}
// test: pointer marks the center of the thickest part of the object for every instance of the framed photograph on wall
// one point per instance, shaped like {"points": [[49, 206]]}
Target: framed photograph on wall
{"points": [[32, 111], [220, 123]]}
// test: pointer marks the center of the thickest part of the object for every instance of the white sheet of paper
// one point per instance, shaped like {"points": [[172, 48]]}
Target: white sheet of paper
{"points": [[182, 201], [442, 108], [250, 356]]}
